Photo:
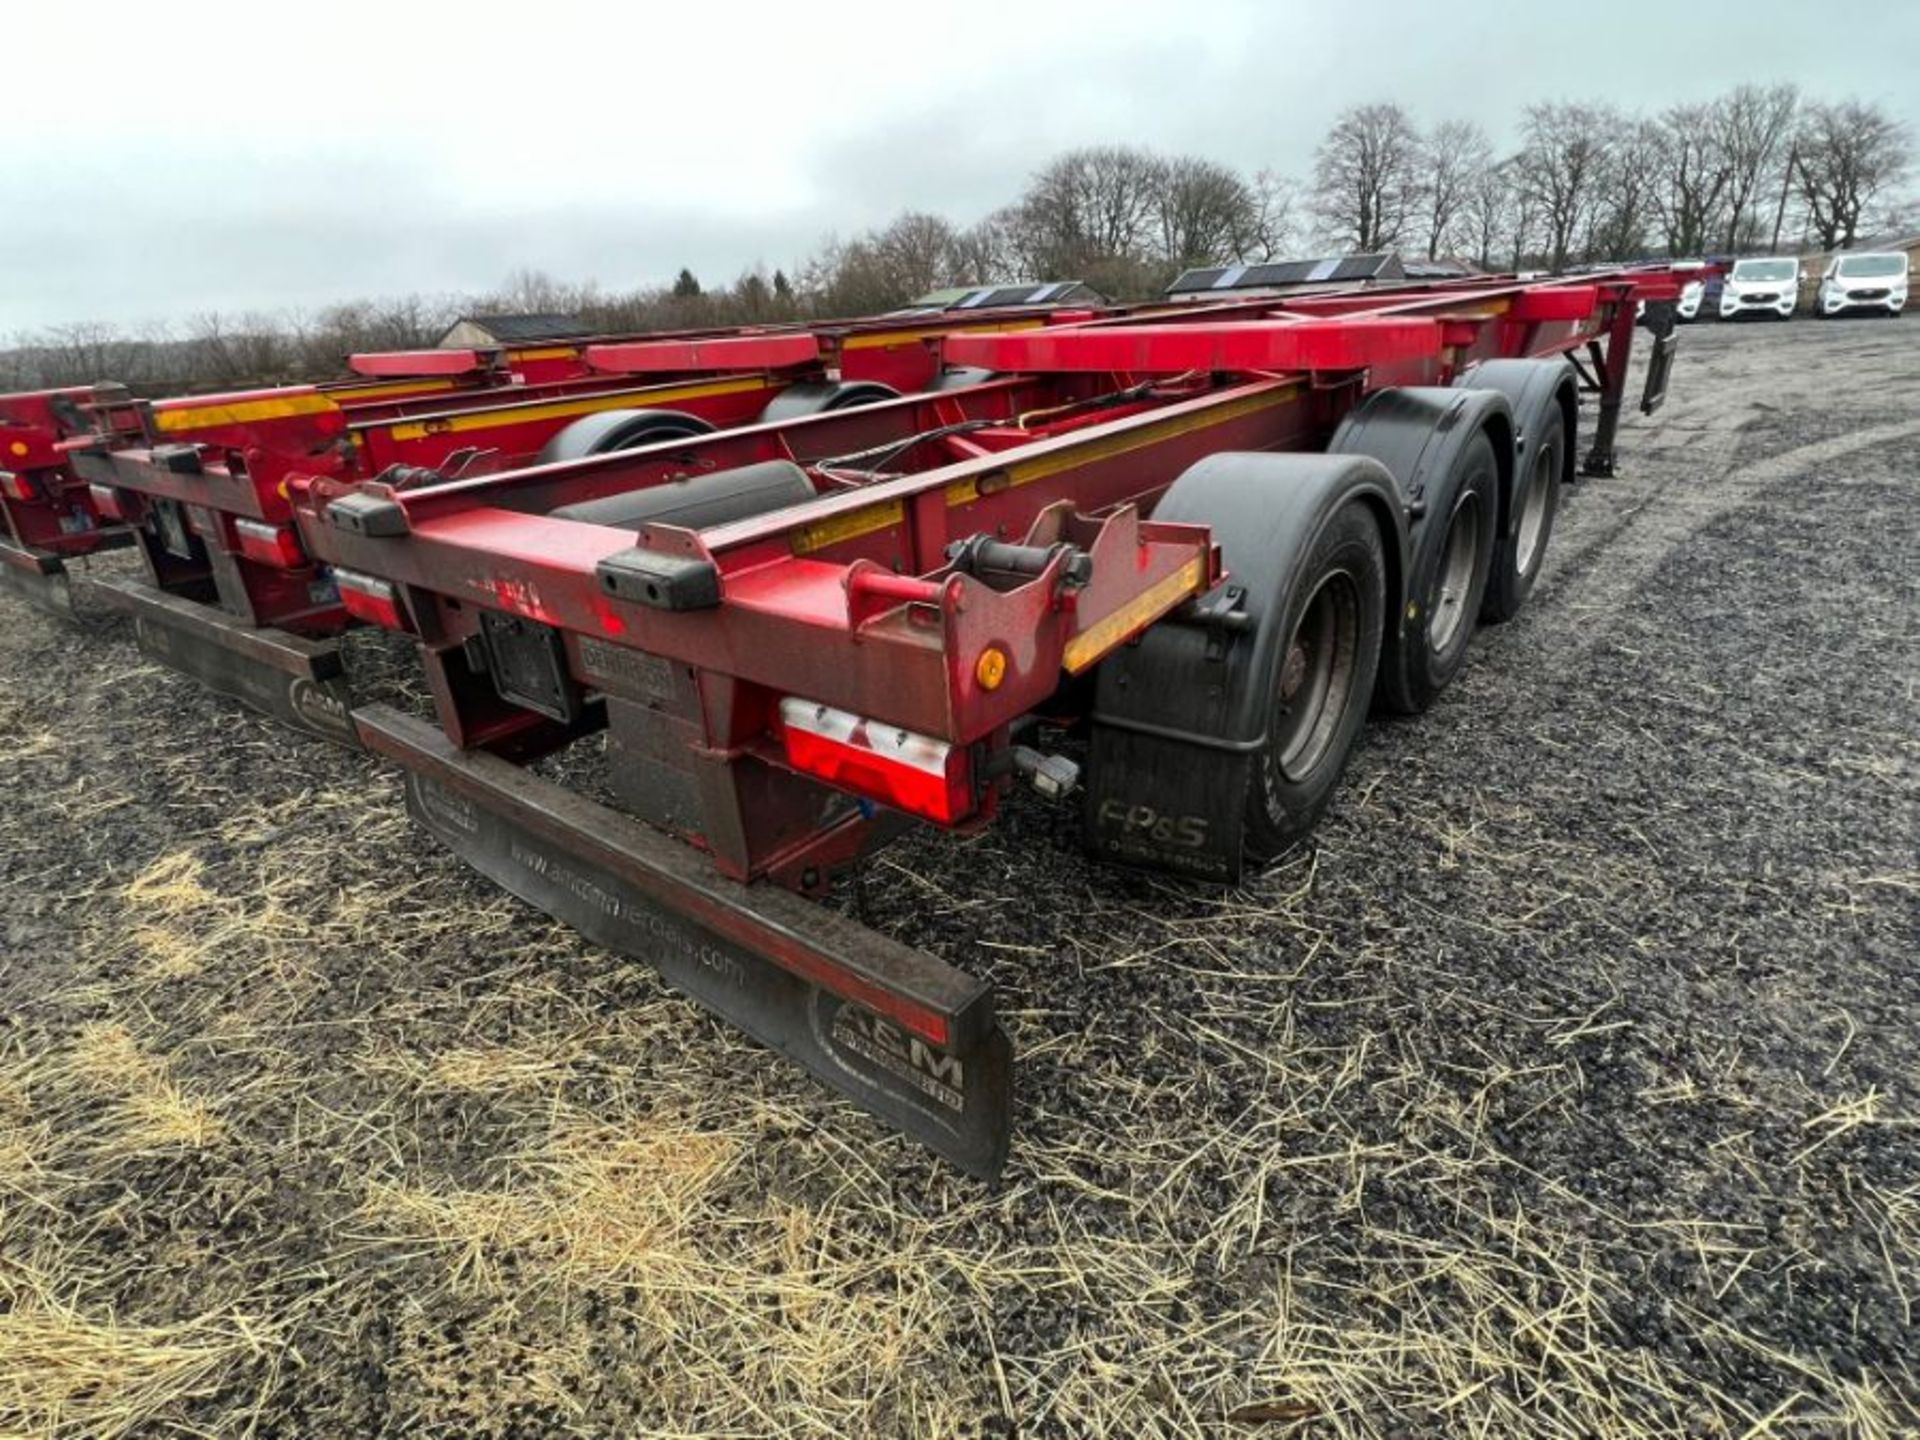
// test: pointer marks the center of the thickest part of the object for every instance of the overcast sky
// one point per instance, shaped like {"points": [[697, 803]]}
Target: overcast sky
{"points": [[160, 160]]}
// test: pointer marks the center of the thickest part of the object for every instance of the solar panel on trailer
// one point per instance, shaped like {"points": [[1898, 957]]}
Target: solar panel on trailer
{"points": [[1359, 267], [1278, 272], [1009, 295], [1196, 279]]}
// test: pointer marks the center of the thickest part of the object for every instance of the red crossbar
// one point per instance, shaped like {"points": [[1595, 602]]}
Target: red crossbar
{"points": [[416, 363], [1250, 345], [730, 352]]}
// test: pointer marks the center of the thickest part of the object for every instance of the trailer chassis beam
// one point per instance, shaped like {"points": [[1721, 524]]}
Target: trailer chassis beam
{"points": [[37, 576]]}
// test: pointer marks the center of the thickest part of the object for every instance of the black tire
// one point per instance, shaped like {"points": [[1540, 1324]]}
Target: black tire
{"points": [[606, 431], [1453, 551], [1333, 621], [1522, 551]]}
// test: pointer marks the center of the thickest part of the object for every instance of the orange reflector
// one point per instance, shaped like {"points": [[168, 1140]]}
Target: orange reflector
{"points": [[991, 668], [910, 772]]}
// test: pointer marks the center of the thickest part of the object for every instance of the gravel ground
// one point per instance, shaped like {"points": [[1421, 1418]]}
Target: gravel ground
{"points": [[1566, 1085]]}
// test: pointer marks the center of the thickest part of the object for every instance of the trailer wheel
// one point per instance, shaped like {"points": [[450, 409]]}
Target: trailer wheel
{"points": [[1333, 618], [1446, 577], [1522, 550], [1543, 395], [608, 430], [796, 402], [1218, 736], [1449, 450]]}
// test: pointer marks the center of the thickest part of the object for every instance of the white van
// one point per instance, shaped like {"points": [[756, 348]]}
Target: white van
{"points": [[1686, 308], [1769, 286], [1868, 281]]}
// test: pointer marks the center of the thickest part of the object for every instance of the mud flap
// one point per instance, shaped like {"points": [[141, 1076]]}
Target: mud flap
{"points": [[295, 680], [781, 968], [1172, 804], [37, 576]]}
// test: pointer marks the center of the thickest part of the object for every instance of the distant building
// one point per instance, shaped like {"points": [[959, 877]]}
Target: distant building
{"points": [[1001, 297], [482, 332], [1287, 277]]}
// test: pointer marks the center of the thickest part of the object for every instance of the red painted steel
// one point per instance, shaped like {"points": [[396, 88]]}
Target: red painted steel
{"points": [[848, 600]]}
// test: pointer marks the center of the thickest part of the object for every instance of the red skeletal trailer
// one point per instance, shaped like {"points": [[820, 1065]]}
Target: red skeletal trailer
{"points": [[202, 483], [1207, 540]]}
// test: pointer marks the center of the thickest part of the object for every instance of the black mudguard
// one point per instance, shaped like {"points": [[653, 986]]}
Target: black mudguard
{"points": [[1530, 387], [1179, 714], [606, 431], [1418, 432], [817, 397]]}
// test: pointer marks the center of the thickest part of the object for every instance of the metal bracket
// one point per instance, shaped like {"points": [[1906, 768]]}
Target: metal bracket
{"points": [[664, 582]]}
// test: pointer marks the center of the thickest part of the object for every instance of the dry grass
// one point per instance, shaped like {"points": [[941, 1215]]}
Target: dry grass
{"points": [[67, 1373]]}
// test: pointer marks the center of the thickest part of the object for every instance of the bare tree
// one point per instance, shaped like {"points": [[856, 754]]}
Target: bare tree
{"points": [[250, 349], [1084, 207], [1629, 178], [1561, 167], [1755, 122], [883, 269], [534, 292], [1206, 212], [1486, 213], [1366, 177], [1694, 174], [1454, 159], [1845, 156], [1278, 199], [983, 253]]}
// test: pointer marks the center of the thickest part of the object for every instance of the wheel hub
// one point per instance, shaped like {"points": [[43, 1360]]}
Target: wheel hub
{"points": [[1294, 670]]}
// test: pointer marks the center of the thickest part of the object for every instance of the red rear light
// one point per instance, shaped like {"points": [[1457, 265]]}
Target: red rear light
{"points": [[106, 500], [18, 487], [375, 601], [910, 772], [276, 545]]}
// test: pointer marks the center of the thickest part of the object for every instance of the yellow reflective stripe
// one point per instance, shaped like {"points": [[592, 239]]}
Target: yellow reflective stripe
{"points": [[818, 536], [1025, 472], [1138, 613], [550, 352], [373, 391], [240, 412], [878, 340], [508, 412]]}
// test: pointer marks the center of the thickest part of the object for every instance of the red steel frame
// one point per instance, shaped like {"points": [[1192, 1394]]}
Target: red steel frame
{"points": [[52, 515], [850, 606], [216, 467]]}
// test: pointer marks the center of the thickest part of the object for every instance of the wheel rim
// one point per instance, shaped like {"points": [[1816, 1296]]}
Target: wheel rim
{"points": [[1316, 675], [1447, 605], [1533, 510]]}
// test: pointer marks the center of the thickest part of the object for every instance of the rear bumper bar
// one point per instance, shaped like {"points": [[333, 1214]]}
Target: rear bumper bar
{"points": [[36, 576], [853, 1007]]}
